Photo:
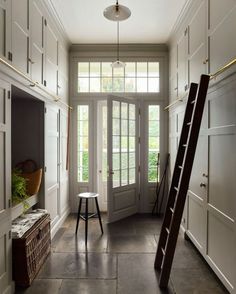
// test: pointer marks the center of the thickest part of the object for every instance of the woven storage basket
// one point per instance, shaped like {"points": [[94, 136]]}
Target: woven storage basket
{"points": [[30, 252]]}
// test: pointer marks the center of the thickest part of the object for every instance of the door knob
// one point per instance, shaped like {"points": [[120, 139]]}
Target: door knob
{"points": [[202, 185]]}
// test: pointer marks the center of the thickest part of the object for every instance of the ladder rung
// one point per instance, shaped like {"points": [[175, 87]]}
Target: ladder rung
{"points": [[192, 102], [168, 231], [176, 189], [184, 145], [189, 123], [172, 209], [180, 166], [163, 251]]}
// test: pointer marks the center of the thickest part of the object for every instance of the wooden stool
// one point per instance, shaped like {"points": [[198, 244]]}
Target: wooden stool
{"points": [[87, 196]]}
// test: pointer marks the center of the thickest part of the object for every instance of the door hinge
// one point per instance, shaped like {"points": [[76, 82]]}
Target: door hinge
{"points": [[45, 22], [9, 235], [45, 83], [9, 203], [45, 110], [9, 56], [139, 168], [139, 196], [139, 140], [185, 87], [45, 169], [9, 94], [139, 111]]}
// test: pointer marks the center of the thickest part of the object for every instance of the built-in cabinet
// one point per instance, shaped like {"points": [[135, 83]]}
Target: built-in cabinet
{"points": [[34, 45], [202, 43], [5, 187]]}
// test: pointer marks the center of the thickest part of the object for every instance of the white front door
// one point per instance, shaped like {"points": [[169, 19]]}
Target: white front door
{"points": [[123, 178]]}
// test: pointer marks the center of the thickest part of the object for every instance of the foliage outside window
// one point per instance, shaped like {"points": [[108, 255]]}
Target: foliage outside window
{"points": [[153, 142], [100, 77], [83, 143]]}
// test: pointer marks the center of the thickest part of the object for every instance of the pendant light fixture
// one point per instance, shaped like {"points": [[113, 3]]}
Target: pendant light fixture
{"points": [[118, 63], [117, 13]]}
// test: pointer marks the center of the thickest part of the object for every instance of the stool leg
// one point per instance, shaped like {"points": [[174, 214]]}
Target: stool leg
{"points": [[78, 215], [99, 216], [86, 222]]}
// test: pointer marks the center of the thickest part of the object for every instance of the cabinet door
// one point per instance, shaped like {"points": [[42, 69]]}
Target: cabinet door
{"points": [[173, 74], [64, 175], [36, 42], [5, 188], [5, 156], [5, 25], [51, 58], [197, 62], [182, 46], [62, 86], [222, 23], [52, 200], [20, 35]]}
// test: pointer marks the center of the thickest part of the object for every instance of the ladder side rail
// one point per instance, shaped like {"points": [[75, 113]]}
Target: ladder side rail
{"points": [[176, 174], [185, 178]]}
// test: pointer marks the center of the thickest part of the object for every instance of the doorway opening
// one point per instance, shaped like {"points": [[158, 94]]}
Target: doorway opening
{"points": [[117, 145]]}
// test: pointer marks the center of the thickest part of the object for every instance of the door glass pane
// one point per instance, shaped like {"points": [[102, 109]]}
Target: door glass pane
{"points": [[132, 162], [124, 110], [124, 160], [116, 143], [132, 176], [116, 109], [116, 179], [131, 111], [153, 142], [124, 144], [116, 126], [83, 143], [116, 161], [124, 177], [132, 127], [124, 127]]}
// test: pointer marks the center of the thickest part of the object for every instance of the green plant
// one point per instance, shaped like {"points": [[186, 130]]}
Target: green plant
{"points": [[19, 189]]}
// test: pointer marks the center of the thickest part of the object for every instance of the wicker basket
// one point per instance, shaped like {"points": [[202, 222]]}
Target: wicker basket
{"points": [[30, 252]]}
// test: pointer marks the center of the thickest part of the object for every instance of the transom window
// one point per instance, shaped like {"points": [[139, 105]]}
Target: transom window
{"points": [[100, 77]]}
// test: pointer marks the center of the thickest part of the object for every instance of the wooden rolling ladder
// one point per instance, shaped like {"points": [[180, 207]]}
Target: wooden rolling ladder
{"points": [[180, 179]]}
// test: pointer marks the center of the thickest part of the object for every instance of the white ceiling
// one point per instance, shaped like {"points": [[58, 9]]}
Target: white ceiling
{"points": [[151, 21]]}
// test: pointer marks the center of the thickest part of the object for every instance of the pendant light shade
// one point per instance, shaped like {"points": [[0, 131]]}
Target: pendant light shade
{"points": [[117, 12], [118, 64]]}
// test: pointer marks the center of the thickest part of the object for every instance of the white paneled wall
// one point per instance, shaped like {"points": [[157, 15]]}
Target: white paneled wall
{"points": [[205, 41]]}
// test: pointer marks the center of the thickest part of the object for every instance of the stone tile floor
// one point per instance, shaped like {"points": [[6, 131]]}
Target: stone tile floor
{"points": [[119, 262]]}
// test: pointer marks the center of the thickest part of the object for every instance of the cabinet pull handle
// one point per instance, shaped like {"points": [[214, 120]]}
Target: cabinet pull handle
{"points": [[31, 61], [205, 175], [202, 185], [205, 61]]}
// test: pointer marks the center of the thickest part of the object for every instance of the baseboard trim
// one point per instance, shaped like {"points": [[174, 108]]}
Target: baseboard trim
{"points": [[60, 221]]}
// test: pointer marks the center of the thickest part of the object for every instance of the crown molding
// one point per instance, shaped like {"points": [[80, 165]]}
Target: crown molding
{"points": [[123, 47], [53, 13], [186, 8]]}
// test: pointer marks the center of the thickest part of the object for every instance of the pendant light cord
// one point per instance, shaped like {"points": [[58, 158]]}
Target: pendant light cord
{"points": [[118, 41]]}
